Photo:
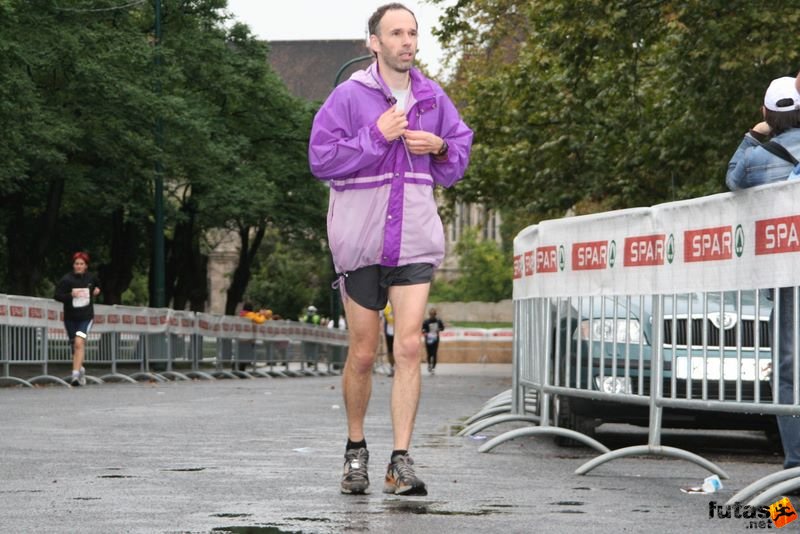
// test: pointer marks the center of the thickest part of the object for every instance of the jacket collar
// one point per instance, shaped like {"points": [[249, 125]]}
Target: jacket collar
{"points": [[421, 87]]}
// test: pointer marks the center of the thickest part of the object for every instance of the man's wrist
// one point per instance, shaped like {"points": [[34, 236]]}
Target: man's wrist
{"points": [[442, 152]]}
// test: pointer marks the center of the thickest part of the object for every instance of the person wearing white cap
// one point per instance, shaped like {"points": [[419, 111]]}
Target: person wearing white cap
{"points": [[768, 154], [767, 151]]}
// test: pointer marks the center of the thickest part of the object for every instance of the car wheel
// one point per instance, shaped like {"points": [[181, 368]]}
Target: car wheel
{"points": [[567, 418]]}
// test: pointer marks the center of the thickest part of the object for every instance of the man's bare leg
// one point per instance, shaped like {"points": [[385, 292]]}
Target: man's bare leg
{"points": [[363, 327], [408, 303]]}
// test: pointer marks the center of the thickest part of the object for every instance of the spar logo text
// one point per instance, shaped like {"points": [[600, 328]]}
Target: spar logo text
{"points": [[708, 244], [774, 236], [517, 267], [590, 255], [644, 250], [546, 260]]}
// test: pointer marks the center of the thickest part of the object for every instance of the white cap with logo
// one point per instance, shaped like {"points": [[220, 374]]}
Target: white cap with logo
{"points": [[782, 95]]}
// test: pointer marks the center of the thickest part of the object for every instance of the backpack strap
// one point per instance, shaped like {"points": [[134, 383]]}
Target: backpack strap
{"points": [[780, 151]]}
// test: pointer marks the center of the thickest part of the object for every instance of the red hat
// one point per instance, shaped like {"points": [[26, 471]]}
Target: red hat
{"points": [[82, 255]]}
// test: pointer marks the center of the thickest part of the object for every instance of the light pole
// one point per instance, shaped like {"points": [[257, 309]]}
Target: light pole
{"points": [[158, 232], [343, 67]]}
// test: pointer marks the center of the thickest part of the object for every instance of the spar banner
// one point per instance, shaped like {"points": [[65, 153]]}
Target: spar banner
{"points": [[743, 240], [130, 319]]}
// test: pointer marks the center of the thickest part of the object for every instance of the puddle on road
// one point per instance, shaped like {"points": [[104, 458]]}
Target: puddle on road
{"points": [[116, 476], [255, 530], [230, 515], [570, 512], [435, 508], [568, 503], [185, 469]]}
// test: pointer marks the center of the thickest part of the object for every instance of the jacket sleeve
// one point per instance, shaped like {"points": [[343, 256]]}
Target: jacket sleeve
{"points": [[737, 178], [338, 147], [63, 290], [458, 136], [96, 283]]}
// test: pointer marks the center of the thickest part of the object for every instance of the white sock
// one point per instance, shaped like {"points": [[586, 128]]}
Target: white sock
{"points": [[76, 373]]}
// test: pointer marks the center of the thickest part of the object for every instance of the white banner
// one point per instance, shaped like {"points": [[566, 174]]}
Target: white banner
{"points": [[744, 240], [21, 311]]}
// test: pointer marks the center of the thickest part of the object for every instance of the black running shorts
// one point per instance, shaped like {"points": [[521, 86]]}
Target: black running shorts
{"points": [[369, 286]]}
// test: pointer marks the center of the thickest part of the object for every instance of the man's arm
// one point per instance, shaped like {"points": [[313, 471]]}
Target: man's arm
{"points": [[339, 148], [736, 177], [450, 167]]}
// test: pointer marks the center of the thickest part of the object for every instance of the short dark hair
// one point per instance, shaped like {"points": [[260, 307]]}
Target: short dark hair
{"points": [[781, 121], [375, 19]]}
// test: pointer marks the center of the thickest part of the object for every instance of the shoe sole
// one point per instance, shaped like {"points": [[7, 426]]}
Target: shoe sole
{"points": [[355, 491], [408, 491]]}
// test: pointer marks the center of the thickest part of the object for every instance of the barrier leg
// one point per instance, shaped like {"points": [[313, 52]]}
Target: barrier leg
{"points": [[765, 482], [497, 419], [650, 450], [542, 430]]}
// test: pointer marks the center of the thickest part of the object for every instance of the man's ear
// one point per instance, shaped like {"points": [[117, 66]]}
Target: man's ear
{"points": [[374, 43]]}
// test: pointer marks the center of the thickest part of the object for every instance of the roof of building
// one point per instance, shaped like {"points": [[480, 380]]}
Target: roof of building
{"points": [[309, 68]]}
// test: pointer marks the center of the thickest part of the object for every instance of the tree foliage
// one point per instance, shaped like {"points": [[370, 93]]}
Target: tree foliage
{"points": [[596, 105], [82, 87], [484, 273]]}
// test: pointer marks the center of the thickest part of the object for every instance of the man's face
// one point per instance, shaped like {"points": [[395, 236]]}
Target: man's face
{"points": [[396, 44]]}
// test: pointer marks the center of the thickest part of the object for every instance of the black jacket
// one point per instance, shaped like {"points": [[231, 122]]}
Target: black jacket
{"points": [[63, 294]]}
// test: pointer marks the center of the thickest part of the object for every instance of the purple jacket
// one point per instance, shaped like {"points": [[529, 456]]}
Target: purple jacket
{"points": [[381, 209]]}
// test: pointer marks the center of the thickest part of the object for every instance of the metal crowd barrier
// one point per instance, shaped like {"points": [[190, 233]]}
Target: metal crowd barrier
{"points": [[656, 314], [133, 344]]}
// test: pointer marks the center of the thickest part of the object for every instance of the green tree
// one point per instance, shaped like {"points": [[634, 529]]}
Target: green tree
{"points": [[78, 85], [74, 92], [291, 275], [484, 271], [598, 105]]}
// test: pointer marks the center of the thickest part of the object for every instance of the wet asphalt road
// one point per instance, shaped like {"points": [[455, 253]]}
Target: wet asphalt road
{"points": [[264, 456]]}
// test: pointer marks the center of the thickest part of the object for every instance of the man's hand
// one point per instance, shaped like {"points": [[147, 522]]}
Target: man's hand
{"points": [[392, 123], [420, 142]]}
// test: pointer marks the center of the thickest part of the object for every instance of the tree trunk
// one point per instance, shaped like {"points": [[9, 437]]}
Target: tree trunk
{"points": [[116, 276], [190, 266], [29, 237], [241, 276]]}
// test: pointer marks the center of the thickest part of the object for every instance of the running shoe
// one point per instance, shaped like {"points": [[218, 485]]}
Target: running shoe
{"points": [[355, 480], [401, 479]]}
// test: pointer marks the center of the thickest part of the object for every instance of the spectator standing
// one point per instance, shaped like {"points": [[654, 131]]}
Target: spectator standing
{"points": [[765, 156], [311, 316], [77, 290]]}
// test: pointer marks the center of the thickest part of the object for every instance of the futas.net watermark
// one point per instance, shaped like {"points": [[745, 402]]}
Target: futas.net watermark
{"points": [[776, 515]]}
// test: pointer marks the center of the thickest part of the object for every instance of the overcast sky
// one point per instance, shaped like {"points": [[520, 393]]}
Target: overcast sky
{"points": [[289, 20]]}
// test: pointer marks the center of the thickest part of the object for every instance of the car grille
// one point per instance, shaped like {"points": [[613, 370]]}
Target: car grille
{"points": [[746, 325]]}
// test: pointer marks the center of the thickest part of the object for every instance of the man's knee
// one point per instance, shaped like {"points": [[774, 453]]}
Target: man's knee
{"points": [[361, 361]]}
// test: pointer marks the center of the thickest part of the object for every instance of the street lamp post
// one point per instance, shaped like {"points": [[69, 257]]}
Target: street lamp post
{"points": [[158, 232]]}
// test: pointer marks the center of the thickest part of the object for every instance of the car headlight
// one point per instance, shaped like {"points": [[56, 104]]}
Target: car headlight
{"points": [[610, 330], [613, 384]]}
